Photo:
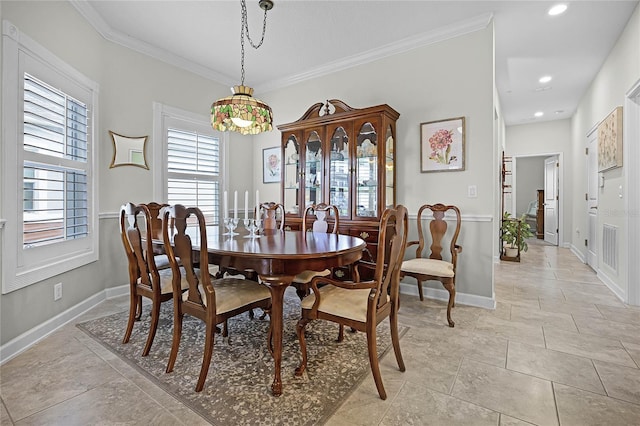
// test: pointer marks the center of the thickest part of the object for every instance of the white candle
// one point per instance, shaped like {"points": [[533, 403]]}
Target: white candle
{"points": [[235, 204], [246, 204], [225, 206]]}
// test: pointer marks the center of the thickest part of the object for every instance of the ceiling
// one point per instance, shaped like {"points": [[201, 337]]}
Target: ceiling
{"points": [[306, 39]]}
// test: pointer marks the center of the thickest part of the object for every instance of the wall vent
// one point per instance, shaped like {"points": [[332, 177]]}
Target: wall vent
{"points": [[610, 246]]}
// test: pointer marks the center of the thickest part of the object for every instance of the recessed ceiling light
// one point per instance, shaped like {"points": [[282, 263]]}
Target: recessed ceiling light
{"points": [[539, 114], [545, 79], [557, 9]]}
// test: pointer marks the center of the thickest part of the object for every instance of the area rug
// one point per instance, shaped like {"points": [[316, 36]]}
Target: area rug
{"points": [[238, 387]]}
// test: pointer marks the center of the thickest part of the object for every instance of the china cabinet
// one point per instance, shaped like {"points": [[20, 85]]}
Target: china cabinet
{"points": [[343, 156]]}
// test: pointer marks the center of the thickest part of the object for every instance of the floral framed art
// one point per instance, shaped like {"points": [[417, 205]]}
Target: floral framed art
{"points": [[442, 145], [271, 158]]}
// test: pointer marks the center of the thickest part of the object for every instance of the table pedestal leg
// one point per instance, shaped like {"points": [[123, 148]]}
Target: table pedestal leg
{"points": [[277, 286]]}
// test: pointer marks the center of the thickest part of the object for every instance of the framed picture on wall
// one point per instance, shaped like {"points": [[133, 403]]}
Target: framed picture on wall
{"points": [[271, 161], [610, 141], [442, 145]]}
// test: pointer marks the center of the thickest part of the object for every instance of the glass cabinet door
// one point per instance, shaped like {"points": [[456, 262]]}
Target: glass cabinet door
{"points": [[313, 170], [339, 168], [389, 170], [367, 171], [291, 175]]}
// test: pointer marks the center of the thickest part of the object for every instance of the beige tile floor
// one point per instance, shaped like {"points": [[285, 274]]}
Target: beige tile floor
{"points": [[560, 348]]}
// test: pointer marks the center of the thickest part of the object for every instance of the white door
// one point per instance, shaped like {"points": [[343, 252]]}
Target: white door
{"points": [[592, 200], [551, 165]]}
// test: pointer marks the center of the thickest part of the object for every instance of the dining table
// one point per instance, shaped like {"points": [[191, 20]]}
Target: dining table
{"points": [[277, 256]]}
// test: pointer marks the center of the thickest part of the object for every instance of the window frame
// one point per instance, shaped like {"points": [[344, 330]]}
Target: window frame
{"points": [[20, 267], [165, 117]]}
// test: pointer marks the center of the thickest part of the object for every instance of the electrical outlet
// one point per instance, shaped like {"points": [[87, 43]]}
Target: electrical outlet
{"points": [[472, 191], [57, 291]]}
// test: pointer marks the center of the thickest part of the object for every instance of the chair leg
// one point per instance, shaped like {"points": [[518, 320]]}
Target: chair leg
{"points": [[133, 307], [177, 335], [451, 288], [341, 333], [138, 308], [303, 345], [373, 360], [420, 290], [206, 358], [395, 337], [155, 317], [225, 329]]}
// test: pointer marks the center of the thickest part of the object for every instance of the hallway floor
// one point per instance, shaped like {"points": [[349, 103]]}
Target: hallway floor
{"points": [[559, 348]]}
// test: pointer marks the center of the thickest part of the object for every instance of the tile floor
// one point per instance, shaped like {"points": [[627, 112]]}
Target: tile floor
{"points": [[559, 349]]}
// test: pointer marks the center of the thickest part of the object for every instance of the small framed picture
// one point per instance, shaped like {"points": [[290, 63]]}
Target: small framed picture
{"points": [[271, 162], [442, 145]]}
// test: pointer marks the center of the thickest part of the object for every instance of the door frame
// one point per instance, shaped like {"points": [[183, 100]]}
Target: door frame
{"points": [[592, 133], [561, 241], [553, 161], [631, 154]]}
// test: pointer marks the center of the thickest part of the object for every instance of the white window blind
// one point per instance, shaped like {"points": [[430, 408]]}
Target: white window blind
{"points": [[49, 198], [54, 192], [193, 171]]}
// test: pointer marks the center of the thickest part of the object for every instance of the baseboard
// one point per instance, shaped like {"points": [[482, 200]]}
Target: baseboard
{"points": [[577, 253], [612, 286], [117, 291], [441, 294], [29, 338]]}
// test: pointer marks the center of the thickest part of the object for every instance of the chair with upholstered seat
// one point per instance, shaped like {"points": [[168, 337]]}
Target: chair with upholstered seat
{"points": [[321, 224], [212, 301], [145, 278], [362, 305], [434, 267]]}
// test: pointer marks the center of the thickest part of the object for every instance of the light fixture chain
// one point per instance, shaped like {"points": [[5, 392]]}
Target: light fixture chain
{"points": [[244, 30]]}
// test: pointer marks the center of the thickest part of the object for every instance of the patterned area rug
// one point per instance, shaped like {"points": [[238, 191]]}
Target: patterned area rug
{"points": [[238, 387]]}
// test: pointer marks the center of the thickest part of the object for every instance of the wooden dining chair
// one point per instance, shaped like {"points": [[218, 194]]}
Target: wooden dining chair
{"points": [[270, 213], [145, 278], [363, 304], [212, 301], [431, 266], [321, 224], [160, 257]]}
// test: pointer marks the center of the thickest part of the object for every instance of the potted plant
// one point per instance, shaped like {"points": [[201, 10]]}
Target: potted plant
{"points": [[515, 231]]}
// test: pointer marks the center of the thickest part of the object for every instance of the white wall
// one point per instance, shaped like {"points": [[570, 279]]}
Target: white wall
{"points": [[617, 75], [129, 83], [420, 92], [545, 139]]}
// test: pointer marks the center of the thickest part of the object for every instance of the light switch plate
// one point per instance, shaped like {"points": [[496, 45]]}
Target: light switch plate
{"points": [[472, 191]]}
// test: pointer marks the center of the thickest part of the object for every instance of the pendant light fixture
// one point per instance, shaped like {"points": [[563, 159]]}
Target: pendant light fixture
{"points": [[241, 112]]}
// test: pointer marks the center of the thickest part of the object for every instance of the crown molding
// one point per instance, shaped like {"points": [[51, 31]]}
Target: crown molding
{"points": [[440, 34], [105, 30], [424, 39]]}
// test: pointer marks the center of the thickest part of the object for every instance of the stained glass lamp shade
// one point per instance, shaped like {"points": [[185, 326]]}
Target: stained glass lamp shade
{"points": [[241, 113]]}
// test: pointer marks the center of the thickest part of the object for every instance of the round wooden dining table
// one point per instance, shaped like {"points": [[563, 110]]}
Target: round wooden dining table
{"points": [[277, 257]]}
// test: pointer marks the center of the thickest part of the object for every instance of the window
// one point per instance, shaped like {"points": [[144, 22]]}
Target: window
{"points": [[48, 182], [55, 195], [192, 155]]}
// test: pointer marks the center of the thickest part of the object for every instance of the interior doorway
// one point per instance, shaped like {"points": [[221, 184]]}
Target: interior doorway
{"points": [[528, 178], [592, 200]]}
